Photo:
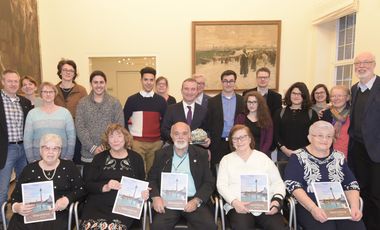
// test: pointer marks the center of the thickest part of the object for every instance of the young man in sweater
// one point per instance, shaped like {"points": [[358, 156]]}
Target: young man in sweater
{"points": [[94, 113], [143, 113]]}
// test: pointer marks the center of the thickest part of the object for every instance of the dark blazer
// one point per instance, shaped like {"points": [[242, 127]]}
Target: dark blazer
{"points": [[175, 113], [199, 167], [215, 122], [205, 100], [26, 105], [370, 120], [274, 99]]}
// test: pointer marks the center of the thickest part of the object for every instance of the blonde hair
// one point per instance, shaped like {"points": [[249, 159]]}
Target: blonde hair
{"points": [[111, 128], [49, 84]]}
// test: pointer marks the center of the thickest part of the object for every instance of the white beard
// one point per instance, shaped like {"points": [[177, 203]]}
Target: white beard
{"points": [[181, 145]]}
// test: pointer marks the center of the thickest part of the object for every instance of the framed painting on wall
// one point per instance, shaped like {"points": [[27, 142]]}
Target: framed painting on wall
{"points": [[242, 46]]}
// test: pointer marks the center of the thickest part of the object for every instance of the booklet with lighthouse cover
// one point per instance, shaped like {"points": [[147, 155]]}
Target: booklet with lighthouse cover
{"points": [[254, 189], [41, 196], [174, 189], [129, 201], [331, 198]]}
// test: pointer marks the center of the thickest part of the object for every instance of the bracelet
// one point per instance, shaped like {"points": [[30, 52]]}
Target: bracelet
{"points": [[279, 198]]}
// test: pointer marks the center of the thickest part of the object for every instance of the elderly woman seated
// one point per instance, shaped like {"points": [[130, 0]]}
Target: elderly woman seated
{"points": [[103, 178], [317, 162], [67, 182], [245, 160]]}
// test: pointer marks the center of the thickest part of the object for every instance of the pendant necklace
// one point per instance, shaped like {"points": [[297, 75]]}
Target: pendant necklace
{"points": [[52, 176]]}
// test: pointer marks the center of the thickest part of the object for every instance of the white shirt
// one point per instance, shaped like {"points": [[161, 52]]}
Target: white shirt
{"points": [[232, 166], [185, 109], [368, 85], [146, 94], [262, 91], [199, 99]]}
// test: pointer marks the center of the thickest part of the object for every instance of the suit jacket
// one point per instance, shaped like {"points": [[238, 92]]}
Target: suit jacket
{"points": [[370, 120], [274, 100], [26, 105], [205, 100], [215, 122], [175, 113], [199, 167]]}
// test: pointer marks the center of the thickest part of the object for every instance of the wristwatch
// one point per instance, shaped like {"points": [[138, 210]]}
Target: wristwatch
{"points": [[199, 202]]}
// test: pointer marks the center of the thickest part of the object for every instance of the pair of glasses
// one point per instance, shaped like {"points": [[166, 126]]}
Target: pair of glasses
{"points": [[322, 137], [363, 63], [48, 92], [68, 70], [228, 82], [54, 149], [241, 138]]}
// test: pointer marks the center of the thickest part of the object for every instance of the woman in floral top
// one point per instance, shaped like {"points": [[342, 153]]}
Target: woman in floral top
{"points": [[317, 162]]}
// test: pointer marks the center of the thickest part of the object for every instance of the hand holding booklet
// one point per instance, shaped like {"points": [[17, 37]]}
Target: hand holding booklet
{"points": [[41, 196], [174, 190], [254, 189], [129, 201], [331, 198]]}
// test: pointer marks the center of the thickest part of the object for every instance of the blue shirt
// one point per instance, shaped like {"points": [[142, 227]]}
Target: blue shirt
{"points": [[182, 165], [229, 108]]}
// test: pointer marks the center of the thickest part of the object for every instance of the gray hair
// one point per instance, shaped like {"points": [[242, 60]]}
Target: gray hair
{"points": [[321, 125], [51, 137]]}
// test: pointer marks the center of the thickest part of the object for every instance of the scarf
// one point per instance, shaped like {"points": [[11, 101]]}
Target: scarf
{"points": [[339, 118]]}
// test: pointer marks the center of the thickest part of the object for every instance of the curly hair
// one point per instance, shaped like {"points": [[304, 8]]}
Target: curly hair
{"points": [[114, 127], [306, 103]]}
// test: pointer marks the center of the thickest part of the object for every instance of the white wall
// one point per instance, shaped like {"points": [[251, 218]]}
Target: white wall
{"points": [[79, 29]]}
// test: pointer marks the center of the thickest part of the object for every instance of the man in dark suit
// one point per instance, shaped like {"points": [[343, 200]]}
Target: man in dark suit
{"points": [[186, 111], [364, 147], [221, 113], [274, 100], [13, 111], [191, 160], [202, 98]]}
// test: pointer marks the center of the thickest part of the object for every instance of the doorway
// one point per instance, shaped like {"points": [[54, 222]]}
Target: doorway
{"points": [[123, 73]]}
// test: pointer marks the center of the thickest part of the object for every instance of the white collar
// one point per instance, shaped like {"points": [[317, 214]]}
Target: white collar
{"points": [[368, 85], [146, 94]]}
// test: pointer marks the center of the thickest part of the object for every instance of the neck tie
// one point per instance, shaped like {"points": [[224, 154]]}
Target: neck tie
{"points": [[189, 116]]}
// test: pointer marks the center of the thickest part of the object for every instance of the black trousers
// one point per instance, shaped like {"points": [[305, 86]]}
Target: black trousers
{"points": [[307, 221], [201, 218], [367, 174], [248, 221]]}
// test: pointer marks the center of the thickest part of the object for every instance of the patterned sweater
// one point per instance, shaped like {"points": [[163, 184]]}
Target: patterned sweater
{"points": [[92, 119]]}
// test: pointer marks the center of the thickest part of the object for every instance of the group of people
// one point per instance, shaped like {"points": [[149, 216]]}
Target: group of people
{"points": [[314, 134]]}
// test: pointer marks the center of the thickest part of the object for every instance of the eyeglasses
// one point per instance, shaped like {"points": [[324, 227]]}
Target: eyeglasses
{"points": [[321, 137], [54, 149], [338, 96], [263, 78], [320, 93], [228, 82], [296, 94], [48, 92], [251, 102], [241, 138], [364, 63], [68, 70], [201, 83]]}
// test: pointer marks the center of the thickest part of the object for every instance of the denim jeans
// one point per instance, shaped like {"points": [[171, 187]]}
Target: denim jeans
{"points": [[16, 159]]}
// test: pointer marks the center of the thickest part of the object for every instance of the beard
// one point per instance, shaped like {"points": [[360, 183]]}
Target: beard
{"points": [[181, 144]]}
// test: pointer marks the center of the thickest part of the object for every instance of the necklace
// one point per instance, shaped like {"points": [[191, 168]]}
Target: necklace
{"points": [[66, 90], [48, 176], [52, 176]]}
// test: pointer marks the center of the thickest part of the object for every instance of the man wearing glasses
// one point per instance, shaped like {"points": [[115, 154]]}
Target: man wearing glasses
{"points": [[221, 113], [364, 146], [202, 98], [273, 98]]}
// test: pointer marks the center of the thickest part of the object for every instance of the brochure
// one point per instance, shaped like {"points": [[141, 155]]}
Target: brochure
{"points": [[129, 201], [331, 198], [174, 188], [254, 189], [41, 195]]}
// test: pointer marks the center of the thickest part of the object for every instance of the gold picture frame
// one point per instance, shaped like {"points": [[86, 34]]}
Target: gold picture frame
{"points": [[242, 46]]}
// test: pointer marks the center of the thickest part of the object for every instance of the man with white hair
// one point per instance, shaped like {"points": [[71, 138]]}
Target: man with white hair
{"points": [[181, 157], [364, 147]]}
